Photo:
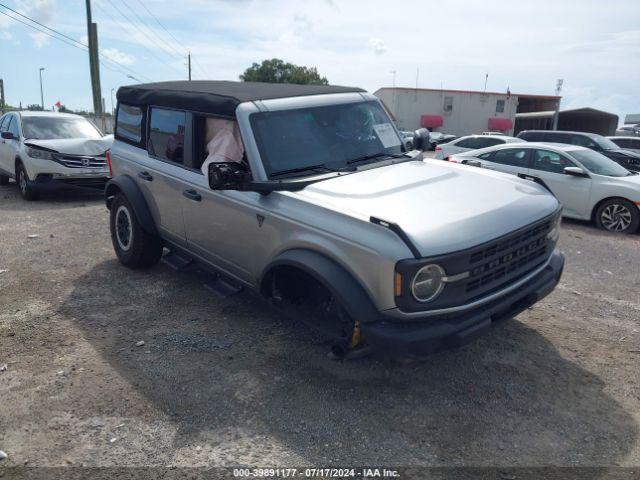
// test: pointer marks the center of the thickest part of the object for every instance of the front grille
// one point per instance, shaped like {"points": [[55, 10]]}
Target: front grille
{"points": [[80, 161], [513, 256]]}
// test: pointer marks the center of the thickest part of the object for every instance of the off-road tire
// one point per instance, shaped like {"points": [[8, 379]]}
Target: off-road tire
{"points": [[618, 215], [27, 192], [134, 247]]}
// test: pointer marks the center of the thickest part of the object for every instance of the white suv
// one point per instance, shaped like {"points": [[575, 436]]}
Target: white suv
{"points": [[589, 185], [48, 149]]}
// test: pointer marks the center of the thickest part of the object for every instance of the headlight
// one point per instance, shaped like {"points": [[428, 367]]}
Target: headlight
{"points": [[40, 154], [554, 233], [427, 283]]}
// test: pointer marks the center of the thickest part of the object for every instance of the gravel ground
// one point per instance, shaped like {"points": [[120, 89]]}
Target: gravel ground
{"points": [[222, 382]]}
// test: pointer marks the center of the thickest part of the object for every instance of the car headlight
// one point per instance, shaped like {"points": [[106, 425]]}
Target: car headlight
{"points": [[39, 154], [428, 283], [554, 233]]}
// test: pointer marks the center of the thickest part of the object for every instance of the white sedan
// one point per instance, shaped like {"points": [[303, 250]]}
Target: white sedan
{"points": [[589, 185], [472, 142]]}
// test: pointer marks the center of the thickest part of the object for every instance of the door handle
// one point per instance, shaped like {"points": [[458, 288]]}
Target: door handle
{"points": [[192, 195], [145, 176]]}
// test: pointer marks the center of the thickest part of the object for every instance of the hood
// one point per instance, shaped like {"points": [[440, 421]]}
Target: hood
{"points": [[74, 146], [625, 152], [442, 207]]}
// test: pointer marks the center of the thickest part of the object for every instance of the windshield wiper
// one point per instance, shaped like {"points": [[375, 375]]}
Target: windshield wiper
{"points": [[304, 169], [373, 156]]}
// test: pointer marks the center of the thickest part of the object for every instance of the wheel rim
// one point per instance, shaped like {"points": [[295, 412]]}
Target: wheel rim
{"points": [[616, 218], [22, 181], [124, 231]]}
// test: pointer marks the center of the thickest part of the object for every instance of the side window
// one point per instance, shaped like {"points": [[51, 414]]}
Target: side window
{"points": [[557, 137], [633, 144], [550, 161], [447, 105], [467, 143], [129, 123], [4, 122], [531, 136], [489, 142], [486, 156], [583, 141], [500, 106], [13, 126], [166, 134], [623, 143], [516, 157]]}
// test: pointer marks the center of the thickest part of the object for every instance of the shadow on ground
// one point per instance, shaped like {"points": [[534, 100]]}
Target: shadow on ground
{"points": [[223, 365]]}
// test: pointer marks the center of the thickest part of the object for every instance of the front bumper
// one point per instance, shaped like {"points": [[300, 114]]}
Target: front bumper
{"points": [[434, 333], [94, 182]]}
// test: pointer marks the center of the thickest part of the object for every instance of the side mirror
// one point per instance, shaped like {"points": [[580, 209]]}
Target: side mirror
{"points": [[575, 172], [8, 136], [228, 176], [421, 139]]}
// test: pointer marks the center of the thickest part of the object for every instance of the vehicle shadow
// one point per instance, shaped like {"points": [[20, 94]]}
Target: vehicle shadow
{"points": [[215, 366], [10, 197]]}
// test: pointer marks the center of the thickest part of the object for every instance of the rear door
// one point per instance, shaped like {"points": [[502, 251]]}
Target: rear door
{"points": [[573, 192], [9, 148], [158, 170], [4, 148]]}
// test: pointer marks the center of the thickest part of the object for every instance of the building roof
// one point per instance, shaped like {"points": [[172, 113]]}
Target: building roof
{"points": [[475, 92], [588, 110], [217, 97]]}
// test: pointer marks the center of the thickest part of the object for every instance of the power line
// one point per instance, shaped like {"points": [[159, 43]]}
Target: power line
{"points": [[171, 35], [68, 40], [142, 31], [142, 22]]}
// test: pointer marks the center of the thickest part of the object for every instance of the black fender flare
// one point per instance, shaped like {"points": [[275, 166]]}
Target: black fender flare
{"points": [[128, 186], [332, 276]]}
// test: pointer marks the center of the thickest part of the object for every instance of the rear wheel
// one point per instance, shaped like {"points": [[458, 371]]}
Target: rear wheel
{"points": [[22, 179], [618, 215], [134, 247]]}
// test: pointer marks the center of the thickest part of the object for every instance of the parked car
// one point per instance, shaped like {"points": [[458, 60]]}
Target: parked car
{"points": [[438, 138], [407, 139], [472, 142], [629, 130], [324, 212], [626, 158], [631, 144], [589, 185], [47, 149]]}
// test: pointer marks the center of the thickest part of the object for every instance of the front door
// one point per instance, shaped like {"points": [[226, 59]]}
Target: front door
{"points": [[508, 160], [572, 192]]}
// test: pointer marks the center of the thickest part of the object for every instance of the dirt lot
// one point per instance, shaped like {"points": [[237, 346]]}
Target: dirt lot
{"points": [[230, 382]]}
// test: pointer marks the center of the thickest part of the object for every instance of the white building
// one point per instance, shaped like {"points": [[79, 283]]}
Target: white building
{"points": [[460, 112]]}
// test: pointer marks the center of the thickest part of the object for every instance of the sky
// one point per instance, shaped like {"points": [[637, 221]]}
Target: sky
{"points": [[524, 46]]}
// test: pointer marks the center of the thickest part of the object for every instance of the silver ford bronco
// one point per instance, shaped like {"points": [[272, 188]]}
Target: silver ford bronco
{"points": [[306, 194]]}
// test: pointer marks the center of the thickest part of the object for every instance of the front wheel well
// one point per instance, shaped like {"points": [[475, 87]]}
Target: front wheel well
{"points": [[110, 192], [597, 205], [290, 283]]}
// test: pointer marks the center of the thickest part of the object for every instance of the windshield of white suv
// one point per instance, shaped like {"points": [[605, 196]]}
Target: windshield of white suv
{"points": [[324, 138], [54, 128], [599, 164]]}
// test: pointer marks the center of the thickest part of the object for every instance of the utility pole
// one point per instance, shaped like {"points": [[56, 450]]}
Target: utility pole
{"points": [[189, 63], [41, 90], [2, 96], [556, 115], [94, 65]]}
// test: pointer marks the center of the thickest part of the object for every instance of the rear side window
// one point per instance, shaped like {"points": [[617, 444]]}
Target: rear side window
{"points": [[531, 136], [4, 122], [550, 161], [467, 143], [129, 123], [166, 134], [622, 143], [583, 141], [488, 142], [516, 157], [558, 137]]}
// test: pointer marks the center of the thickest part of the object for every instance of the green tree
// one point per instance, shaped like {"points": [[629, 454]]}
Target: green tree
{"points": [[277, 71], [35, 107]]}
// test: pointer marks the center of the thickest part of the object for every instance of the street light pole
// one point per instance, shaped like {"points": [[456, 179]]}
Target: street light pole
{"points": [[41, 90]]}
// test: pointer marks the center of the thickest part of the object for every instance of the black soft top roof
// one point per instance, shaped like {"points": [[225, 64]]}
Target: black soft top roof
{"points": [[216, 97]]}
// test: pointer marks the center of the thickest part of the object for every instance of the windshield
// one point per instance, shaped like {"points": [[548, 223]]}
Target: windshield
{"points": [[326, 136], [599, 164], [53, 128], [605, 143]]}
